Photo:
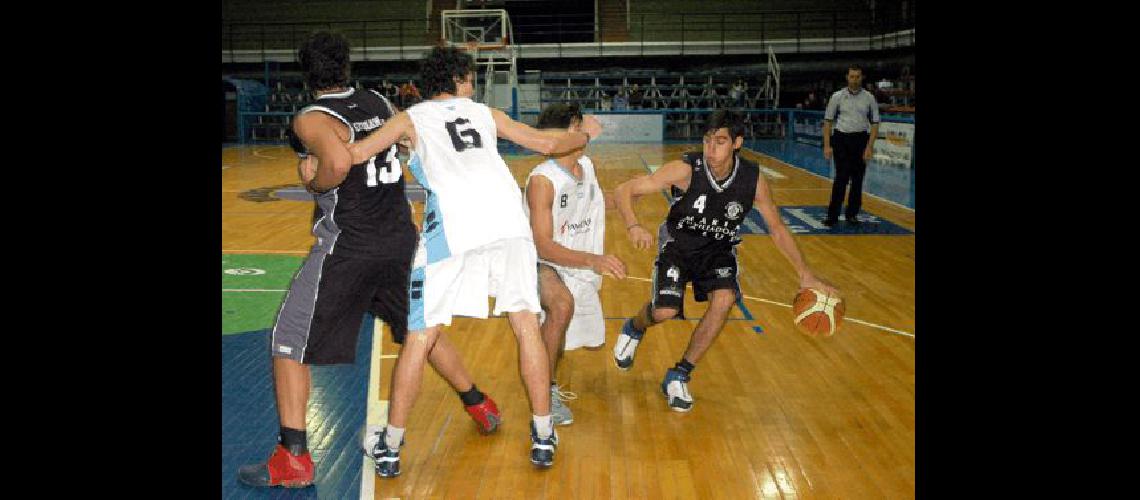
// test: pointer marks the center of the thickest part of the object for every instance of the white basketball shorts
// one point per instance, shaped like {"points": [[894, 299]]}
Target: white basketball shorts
{"points": [[459, 285]]}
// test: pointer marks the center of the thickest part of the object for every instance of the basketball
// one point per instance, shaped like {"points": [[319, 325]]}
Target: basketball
{"points": [[817, 314]]}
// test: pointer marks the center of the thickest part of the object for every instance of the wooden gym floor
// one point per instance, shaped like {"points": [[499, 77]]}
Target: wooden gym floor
{"points": [[776, 414]]}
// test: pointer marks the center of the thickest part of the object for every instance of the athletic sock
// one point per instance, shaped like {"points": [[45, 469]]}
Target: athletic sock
{"points": [[472, 396], [393, 436], [684, 366], [544, 426], [294, 440]]}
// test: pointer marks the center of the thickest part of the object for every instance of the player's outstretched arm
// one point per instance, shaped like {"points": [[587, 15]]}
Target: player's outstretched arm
{"points": [[540, 199], [545, 141], [783, 238], [393, 130], [317, 131], [675, 173]]}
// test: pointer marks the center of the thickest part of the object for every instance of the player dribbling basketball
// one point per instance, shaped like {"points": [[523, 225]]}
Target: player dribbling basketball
{"points": [[714, 189]]}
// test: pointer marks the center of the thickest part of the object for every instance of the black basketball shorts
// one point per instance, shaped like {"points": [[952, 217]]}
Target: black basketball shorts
{"points": [[320, 320], [708, 271]]}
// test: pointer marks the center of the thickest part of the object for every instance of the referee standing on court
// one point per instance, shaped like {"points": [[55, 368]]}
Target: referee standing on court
{"points": [[853, 111]]}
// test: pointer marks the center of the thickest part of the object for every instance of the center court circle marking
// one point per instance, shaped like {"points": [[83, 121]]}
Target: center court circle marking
{"points": [[245, 271]]}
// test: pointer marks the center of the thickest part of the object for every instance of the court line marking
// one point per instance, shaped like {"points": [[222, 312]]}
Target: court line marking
{"points": [[294, 252], [251, 290], [257, 153], [376, 412], [853, 320], [777, 160]]}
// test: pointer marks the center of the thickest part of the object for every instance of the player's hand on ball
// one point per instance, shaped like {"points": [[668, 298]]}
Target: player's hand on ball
{"points": [[608, 265], [592, 126], [810, 281], [640, 237]]}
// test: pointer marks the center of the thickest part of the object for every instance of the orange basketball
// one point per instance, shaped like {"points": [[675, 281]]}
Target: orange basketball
{"points": [[816, 313]]}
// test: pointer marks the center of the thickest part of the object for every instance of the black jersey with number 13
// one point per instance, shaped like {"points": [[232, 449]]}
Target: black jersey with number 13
{"points": [[707, 216], [367, 215]]}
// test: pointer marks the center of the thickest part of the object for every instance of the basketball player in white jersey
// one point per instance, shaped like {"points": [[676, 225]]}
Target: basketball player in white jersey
{"points": [[475, 240], [567, 216]]}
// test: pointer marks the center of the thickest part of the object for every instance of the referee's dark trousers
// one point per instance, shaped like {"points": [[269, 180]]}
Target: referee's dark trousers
{"points": [[849, 166]]}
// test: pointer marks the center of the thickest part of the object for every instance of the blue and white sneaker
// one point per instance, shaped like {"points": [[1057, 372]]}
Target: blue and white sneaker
{"points": [[626, 345], [542, 450], [675, 387], [387, 459]]}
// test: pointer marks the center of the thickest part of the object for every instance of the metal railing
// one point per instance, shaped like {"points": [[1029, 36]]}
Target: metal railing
{"points": [[869, 30], [278, 36]]}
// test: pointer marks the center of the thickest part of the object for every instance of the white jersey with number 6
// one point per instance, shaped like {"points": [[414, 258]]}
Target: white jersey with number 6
{"points": [[472, 198]]}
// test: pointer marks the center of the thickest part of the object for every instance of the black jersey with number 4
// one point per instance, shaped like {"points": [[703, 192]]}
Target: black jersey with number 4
{"points": [[367, 215], [707, 216]]}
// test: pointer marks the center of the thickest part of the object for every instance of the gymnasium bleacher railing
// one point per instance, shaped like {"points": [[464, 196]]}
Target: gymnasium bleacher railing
{"points": [[647, 33]]}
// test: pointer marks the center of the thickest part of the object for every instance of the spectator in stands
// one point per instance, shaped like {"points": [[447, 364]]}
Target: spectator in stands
{"points": [[812, 102], [389, 91], [621, 102], [607, 101], [635, 97], [409, 95], [736, 94]]}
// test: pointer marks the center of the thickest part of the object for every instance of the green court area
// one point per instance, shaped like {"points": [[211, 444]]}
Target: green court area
{"points": [[253, 287]]}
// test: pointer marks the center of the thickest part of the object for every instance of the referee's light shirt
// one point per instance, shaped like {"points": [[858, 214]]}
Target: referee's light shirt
{"points": [[852, 113]]}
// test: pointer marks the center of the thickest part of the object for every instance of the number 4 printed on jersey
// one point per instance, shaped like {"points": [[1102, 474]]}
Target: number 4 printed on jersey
{"points": [[700, 204], [386, 174]]}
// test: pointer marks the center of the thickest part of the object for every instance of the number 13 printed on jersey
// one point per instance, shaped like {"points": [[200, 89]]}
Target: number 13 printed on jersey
{"points": [[389, 171]]}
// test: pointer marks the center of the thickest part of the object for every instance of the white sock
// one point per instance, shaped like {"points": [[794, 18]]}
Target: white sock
{"points": [[393, 436], [544, 425]]}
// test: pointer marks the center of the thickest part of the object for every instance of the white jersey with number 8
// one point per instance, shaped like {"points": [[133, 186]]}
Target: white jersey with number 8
{"points": [[472, 198]]}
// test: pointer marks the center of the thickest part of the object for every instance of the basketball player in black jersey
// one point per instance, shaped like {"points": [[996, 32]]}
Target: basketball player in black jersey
{"points": [[714, 190], [361, 261]]}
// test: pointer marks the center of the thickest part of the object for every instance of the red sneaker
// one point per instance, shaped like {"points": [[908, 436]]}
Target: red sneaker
{"points": [[485, 414], [282, 469]]}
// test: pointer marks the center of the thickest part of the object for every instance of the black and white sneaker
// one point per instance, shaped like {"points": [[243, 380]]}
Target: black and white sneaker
{"points": [[675, 387], [387, 459], [542, 450], [626, 345]]}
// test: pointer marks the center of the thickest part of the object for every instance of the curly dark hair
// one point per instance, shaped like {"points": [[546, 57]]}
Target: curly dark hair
{"points": [[558, 115], [725, 118], [324, 59], [441, 67]]}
